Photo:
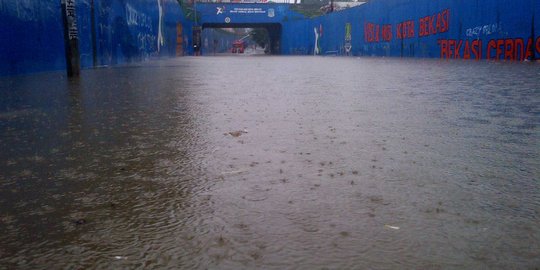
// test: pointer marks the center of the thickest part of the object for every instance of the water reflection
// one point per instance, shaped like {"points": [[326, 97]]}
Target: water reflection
{"points": [[90, 162], [338, 163]]}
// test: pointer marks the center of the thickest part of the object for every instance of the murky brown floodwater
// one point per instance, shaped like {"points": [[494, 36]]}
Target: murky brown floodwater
{"points": [[347, 163]]}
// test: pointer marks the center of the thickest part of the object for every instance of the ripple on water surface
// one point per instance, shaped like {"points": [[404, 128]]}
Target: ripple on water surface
{"points": [[294, 162]]}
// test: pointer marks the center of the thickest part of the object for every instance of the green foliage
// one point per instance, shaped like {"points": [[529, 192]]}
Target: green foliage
{"points": [[260, 36], [320, 3], [312, 9], [188, 10]]}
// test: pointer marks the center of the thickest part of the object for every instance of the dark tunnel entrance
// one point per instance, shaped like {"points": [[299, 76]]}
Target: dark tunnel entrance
{"points": [[272, 30]]}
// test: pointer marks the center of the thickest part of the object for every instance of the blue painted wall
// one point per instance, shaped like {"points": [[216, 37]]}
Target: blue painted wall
{"points": [[31, 37], [130, 30], [485, 29], [470, 29], [31, 33]]}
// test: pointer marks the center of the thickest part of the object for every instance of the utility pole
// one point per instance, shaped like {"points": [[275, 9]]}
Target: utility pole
{"points": [[71, 38]]}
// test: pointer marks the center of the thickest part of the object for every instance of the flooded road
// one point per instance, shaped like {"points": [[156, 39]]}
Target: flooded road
{"points": [[272, 163]]}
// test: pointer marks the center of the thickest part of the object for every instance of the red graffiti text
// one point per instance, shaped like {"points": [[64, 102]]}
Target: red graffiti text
{"points": [[387, 32], [510, 49], [452, 48], [405, 30], [434, 24], [371, 32]]}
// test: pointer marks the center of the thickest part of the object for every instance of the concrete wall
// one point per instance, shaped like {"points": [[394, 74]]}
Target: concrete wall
{"points": [[31, 33], [472, 29]]}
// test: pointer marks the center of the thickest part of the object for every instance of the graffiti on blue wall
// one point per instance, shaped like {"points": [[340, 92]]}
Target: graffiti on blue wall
{"points": [[136, 30], [110, 32], [483, 29], [477, 43], [120, 31]]}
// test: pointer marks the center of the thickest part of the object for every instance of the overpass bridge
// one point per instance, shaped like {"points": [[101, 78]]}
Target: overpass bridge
{"points": [[271, 16]]}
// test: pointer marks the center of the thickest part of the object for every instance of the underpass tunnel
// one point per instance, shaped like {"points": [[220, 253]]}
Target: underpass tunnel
{"points": [[272, 30]]}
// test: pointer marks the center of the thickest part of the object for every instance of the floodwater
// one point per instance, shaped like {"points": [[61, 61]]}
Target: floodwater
{"points": [[273, 163]]}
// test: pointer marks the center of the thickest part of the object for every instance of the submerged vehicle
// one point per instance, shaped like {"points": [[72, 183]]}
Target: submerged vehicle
{"points": [[239, 46]]}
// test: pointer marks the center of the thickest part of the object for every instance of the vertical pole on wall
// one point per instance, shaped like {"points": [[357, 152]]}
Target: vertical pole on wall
{"points": [[197, 31], [93, 30], [71, 38]]}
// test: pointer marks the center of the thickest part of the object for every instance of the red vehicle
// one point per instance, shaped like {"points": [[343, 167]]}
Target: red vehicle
{"points": [[238, 46]]}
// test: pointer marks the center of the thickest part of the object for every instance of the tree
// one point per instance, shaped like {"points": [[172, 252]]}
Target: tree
{"points": [[260, 36]]}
